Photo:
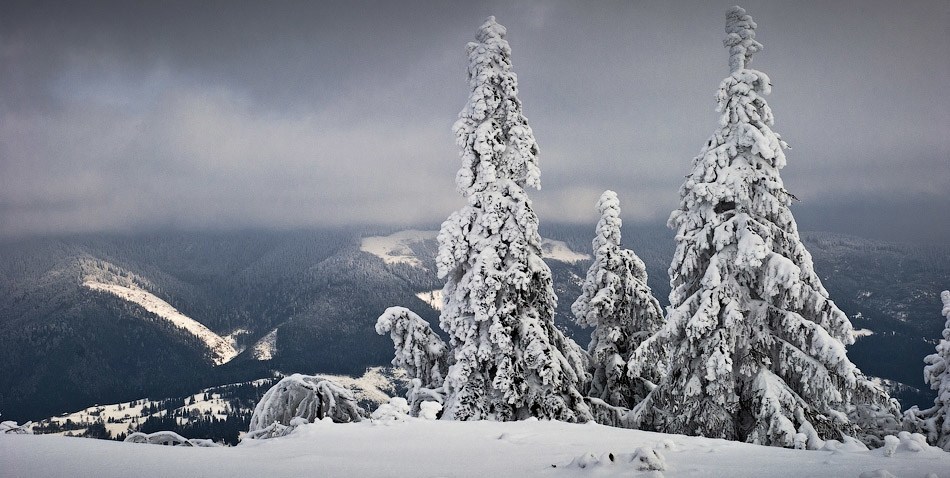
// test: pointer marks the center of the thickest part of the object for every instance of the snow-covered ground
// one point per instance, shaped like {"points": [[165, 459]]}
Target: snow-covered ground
{"points": [[455, 449], [221, 349]]}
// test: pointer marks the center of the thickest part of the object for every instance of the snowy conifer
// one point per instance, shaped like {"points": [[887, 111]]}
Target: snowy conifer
{"points": [[617, 302], [419, 351], [510, 362], [934, 422], [758, 347]]}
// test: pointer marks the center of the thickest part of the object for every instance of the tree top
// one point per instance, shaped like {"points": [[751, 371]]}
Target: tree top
{"points": [[740, 38]]}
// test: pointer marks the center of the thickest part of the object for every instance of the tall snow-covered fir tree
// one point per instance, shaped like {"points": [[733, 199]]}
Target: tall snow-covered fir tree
{"points": [[617, 302], [510, 362], [934, 422], [758, 347]]}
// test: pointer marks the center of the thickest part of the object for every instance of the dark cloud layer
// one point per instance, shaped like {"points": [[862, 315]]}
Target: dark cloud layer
{"points": [[127, 115]]}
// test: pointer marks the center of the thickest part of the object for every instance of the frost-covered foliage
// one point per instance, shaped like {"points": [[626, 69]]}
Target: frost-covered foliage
{"points": [[934, 422], [757, 345], [168, 438], [617, 302], [510, 362], [396, 410], [419, 351], [307, 398]]}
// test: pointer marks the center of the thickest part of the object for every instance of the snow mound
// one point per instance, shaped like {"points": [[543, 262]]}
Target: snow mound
{"points": [[168, 438], [395, 248], [905, 442], [397, 410], [429, 410], [221, 349], [643, 459]]}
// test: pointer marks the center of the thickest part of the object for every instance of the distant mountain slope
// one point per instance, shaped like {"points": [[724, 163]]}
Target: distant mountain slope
{"points": [[303, 301]]}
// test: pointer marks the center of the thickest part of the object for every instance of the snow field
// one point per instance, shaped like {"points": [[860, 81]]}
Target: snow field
{"points": [[416, 447]]}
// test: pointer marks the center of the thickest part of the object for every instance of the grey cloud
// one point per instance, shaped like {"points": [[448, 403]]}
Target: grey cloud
{"points": [[120, 115]]}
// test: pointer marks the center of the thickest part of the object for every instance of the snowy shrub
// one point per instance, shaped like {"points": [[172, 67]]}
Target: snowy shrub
{"points": [[396, 410], [419, 351], [430, 410], [617, 302], [757, 346], [304, 397], [509, 361], [168, 438], [934, 422]]}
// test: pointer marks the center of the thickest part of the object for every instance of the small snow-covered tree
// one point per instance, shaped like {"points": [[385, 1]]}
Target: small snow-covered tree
{"points": [[419, 351], [757, 345], [617, 302], [934, 422], [301, 399], [510, 362]]}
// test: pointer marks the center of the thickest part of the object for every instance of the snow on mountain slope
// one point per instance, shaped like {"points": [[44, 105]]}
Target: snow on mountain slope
{"points": [[372, 386], [395, 248], [559, 251], [221, 349], [433, 298], [417, 447], [266, 347]]}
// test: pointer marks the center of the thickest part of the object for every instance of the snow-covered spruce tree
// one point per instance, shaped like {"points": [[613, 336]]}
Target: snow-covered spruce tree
{"points": [[510, 362], [757, 346], [934, 422], [617, 302], [419, 351]]}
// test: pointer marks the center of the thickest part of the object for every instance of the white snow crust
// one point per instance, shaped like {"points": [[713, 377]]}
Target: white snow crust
{"points": [[418, 447], [222, 351]]}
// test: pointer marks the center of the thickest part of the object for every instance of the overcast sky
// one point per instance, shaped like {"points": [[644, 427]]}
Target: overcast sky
{"points": [[128, 116]]}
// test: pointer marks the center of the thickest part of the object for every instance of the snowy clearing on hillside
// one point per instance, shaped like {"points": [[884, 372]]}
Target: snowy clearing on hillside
{"points": [[416, 447], [394, 248], [221, 349], [121, 417], [559, 251], [266, 347], [433, 298]]}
